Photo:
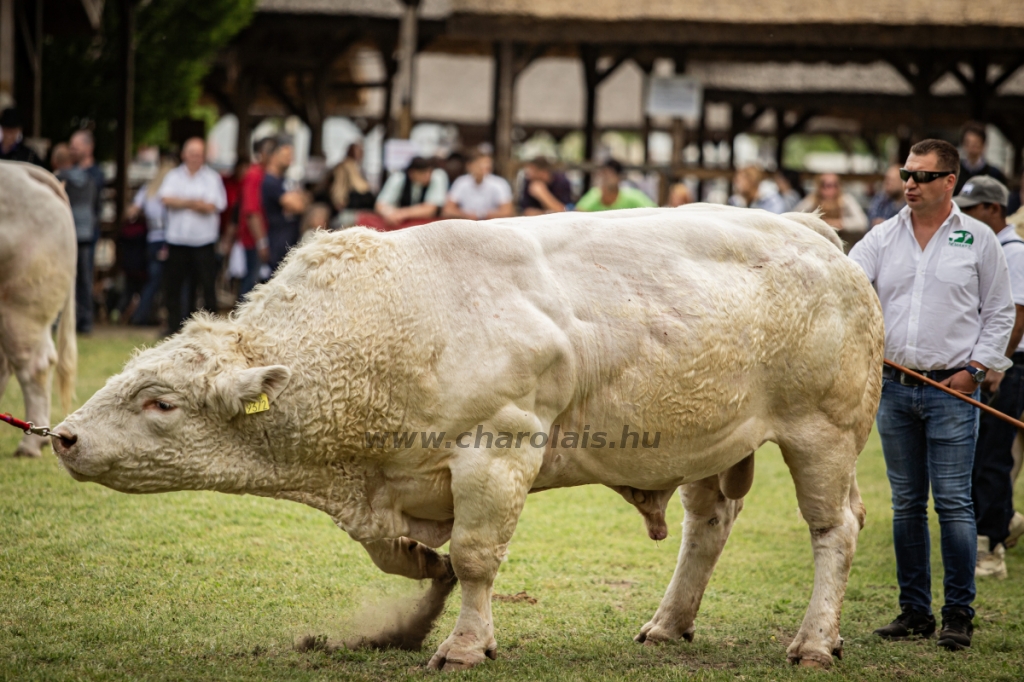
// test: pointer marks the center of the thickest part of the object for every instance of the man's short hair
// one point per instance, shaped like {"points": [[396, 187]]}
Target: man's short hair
{"points": [[478, 154], [613, 165], [265, 146], [418, 163], [541, 163], [283, 141], [949, 157], [975, 128]]}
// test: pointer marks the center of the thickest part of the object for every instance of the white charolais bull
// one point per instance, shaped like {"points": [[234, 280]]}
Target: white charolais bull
{"points": [[37, 282], [711, 329]]}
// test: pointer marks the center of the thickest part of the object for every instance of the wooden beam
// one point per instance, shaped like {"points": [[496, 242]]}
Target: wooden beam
{"points": [[833, 36], [278, 91], [6, 53], [126, 104], [504, 86], [1009, 69]]}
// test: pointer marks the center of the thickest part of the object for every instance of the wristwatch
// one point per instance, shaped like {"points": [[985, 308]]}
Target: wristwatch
{"points": [[977, 374]]}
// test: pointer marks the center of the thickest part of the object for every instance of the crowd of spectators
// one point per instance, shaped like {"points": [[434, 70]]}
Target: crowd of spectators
{"points": [[192, 231]]}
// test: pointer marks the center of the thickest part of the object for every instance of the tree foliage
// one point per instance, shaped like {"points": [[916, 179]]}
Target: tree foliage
{"points": [[175, 43]]}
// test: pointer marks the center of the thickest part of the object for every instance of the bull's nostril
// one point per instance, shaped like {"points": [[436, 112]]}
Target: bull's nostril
{"points": [[65, 439]]}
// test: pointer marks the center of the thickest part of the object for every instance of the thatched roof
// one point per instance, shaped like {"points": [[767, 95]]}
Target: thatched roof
{"points": [[901, 12]]}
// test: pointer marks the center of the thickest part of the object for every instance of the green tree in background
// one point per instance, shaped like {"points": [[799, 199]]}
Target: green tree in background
{"points": [[175, 43]]}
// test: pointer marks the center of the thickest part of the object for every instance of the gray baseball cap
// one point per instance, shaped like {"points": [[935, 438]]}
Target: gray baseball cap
{"points": [[981, 189]]}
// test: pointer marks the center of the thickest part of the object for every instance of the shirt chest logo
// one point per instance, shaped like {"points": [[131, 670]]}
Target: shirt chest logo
{"points": [[961, 238]]}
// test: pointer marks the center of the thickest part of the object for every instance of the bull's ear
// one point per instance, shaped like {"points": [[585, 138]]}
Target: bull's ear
{"points": [[234, 390]]}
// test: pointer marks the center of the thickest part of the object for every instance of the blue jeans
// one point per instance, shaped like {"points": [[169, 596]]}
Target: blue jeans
{"points": [[929, 436], [144, 313], [83, 287], [252, 273]]}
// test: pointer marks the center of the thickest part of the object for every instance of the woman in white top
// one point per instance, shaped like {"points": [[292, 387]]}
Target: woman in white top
{"points": [[838, 209]]}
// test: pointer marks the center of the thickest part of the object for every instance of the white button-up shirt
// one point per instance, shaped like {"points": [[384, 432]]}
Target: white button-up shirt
{"points": [[944, 305], [1013, 248], [186, 227]]}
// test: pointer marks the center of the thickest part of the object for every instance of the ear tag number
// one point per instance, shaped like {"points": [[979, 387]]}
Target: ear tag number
{"points": [[261, 405]]}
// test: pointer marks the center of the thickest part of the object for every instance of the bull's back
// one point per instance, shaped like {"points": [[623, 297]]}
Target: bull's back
{"points": [[709, 328]]}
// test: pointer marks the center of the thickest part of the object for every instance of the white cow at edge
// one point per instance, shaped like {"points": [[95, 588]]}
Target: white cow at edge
{"points": [[717, 328], [37, 282]]}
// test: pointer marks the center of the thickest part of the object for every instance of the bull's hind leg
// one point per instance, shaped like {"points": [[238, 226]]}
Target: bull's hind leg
{"points": [[709, 518], [822, 462]]}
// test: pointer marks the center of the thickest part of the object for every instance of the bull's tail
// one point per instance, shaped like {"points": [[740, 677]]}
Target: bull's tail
{"points": [[814, 221], [67, 351]]}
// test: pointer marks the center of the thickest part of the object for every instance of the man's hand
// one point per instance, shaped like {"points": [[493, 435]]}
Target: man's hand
{"points": [[992, 381], [539, 191], [961, 381]]}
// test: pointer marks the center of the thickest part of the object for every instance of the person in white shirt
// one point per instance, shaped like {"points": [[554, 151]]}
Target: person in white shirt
{"points": [[194, 196], [985, 198], [479, 195], [944, 287]]}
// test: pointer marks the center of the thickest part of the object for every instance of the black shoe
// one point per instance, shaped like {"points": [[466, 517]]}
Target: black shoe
{"points": [[956, 631], [906, 624]]}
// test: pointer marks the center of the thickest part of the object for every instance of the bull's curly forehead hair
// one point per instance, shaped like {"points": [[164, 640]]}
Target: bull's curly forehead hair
{"points": [[187, 363]]}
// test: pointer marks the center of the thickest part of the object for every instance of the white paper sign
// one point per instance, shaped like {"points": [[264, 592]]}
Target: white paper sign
{"points": [[676, 96]]}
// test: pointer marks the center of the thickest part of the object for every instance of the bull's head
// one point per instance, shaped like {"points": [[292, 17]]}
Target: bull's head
{"points": [[176, 418]]}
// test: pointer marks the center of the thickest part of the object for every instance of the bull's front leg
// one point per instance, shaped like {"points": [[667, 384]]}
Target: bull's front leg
{"points": [[489, 487]]}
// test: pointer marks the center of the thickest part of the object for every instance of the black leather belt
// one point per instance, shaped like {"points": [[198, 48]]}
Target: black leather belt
{"points": [[908, 380], [1018, 358]]}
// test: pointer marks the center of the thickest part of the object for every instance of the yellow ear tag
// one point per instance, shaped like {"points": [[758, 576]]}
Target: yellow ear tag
{"points": [[261, 405]]}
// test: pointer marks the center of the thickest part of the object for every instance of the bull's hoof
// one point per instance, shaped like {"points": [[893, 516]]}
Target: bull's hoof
{"points": [[653, 634], [813, 661], [22, 451], [460, 652]]}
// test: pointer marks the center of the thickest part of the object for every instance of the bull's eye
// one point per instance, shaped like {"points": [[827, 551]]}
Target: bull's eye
{"points": [[160, 406]]}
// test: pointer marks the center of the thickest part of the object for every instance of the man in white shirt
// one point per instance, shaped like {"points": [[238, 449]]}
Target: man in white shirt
{"points": [[985, 198], [479, 195], [944, 287], [194, 196]]}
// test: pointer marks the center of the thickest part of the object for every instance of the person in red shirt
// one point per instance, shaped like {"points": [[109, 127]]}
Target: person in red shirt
{"points": [[252, 222]]}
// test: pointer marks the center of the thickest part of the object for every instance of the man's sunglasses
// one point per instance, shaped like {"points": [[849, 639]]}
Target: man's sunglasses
{"points": [[921, 177]]}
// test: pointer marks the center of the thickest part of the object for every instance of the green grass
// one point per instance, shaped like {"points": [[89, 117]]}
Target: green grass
{"points": [[96, 584]]}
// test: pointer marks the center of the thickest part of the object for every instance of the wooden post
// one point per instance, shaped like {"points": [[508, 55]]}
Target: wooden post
{"points": [[37, 74], [504, 89], [126, 105], [780, 137], [6, 53], [588, 55], [243, 101], [407, 39]]}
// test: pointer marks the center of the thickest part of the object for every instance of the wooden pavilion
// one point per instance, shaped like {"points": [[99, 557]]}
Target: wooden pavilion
{"points": [[864, 69]]}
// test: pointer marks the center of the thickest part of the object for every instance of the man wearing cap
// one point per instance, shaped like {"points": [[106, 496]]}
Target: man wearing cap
{"points": [[943, 284], [12, 145], [984, 198]]}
